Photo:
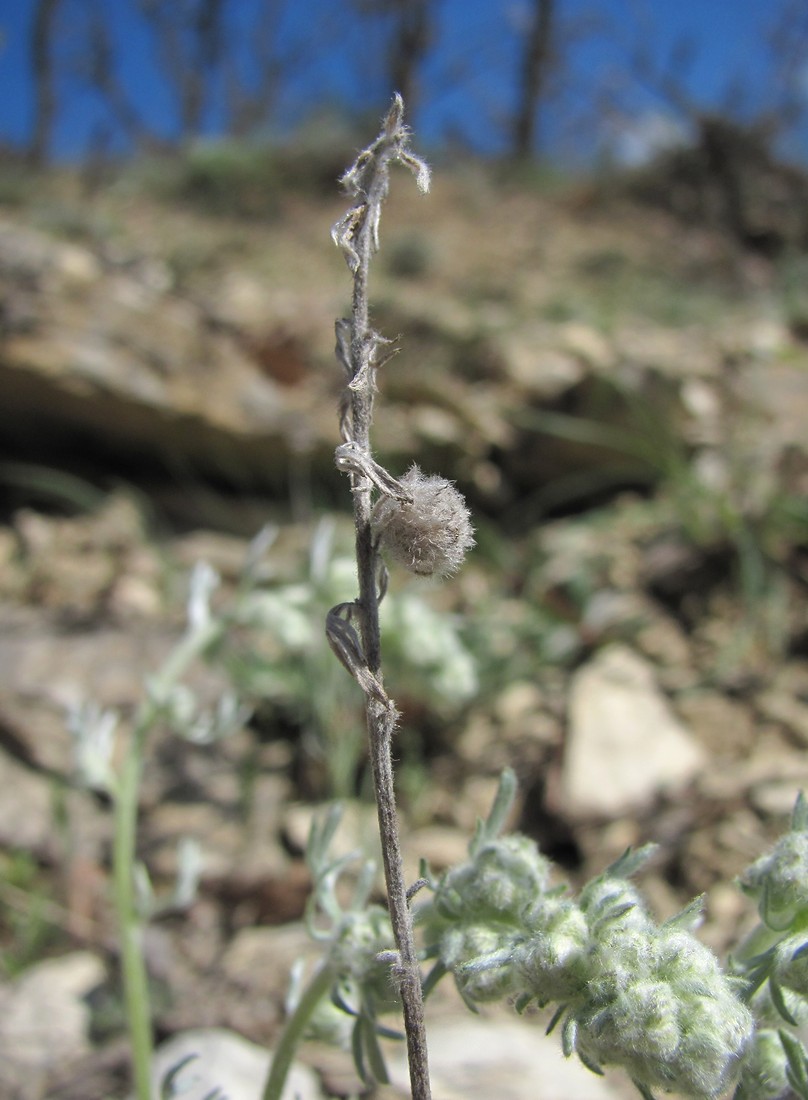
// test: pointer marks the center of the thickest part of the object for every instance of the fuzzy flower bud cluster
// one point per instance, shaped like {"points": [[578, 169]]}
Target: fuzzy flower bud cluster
{"points": [[655, 1000], [631, 993], [774, 963], [764, 1074], [480, 907], [778, 881], [361, 937], [428, 533]]}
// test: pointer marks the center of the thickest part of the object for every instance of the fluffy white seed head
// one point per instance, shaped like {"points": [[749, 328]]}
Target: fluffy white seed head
{"points": [[431, 533]]}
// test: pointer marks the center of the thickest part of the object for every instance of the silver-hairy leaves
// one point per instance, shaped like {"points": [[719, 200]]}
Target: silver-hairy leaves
{"points": [[430, 533]]}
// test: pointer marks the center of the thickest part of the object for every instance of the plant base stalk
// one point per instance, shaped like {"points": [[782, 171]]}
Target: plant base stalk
{"points": [[292, 1033]]}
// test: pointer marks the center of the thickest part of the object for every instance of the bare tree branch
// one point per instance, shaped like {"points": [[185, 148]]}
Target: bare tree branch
{"points": [[192, 44], [408, 42]]}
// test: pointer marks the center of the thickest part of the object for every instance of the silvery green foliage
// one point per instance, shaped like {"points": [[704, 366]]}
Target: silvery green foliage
{"points": [[167, 697], [173, 701], [778, 881], [773, 961], [358, 952], [483, 903], [653, 999], [476, 915], [765, 1067], [293, 651], [203, 583], [628, 992], [429, 642], [93, 731]]}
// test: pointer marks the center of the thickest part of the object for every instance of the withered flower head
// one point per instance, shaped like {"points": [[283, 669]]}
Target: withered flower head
{"points": [[429, 534]]}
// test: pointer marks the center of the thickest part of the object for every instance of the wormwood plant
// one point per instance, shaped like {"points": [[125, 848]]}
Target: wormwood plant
{"points": [[422, 521], [623, 990]]}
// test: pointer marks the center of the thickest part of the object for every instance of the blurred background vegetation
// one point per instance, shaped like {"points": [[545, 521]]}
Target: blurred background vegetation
{"points": [[602, 309], [196, 145]]}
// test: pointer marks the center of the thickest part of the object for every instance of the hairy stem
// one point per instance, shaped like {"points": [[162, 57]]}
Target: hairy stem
{"points": [[358, 238]]}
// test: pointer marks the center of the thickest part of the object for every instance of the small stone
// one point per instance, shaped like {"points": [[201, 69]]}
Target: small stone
{"points": [[501, 1057], [517, 702], [437, 425], [589, 345], [442, 846], [665, 643], [727, 727], [77, 267], [44, 1021], [624, 745], [221, 1060], [260, 959], [786, 710], [26, 808], [775, 799], [539, 371]]}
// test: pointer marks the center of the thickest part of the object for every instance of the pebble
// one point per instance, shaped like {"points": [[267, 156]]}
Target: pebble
{"points": [[624, 744]]}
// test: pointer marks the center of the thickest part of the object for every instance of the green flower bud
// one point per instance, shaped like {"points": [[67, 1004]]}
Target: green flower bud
{"points": [[685, 963], [639, 1028], [764, 1069], [502, 880], [779, 881], [362, 936], [618, 956], [608, 899], [659, 1005], [791, 963], [552, 964], [716, 1031], [691, 1047], [480, 958]]}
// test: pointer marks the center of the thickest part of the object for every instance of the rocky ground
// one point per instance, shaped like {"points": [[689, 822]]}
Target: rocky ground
{"points": [[623, 399]]}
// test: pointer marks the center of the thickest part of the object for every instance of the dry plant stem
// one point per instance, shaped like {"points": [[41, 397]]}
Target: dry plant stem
{"points": [[381, 715]]}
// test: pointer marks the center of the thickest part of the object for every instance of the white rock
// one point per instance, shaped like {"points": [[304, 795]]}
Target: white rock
{"points": [[77, 266], [225, 1061], [624, 743], [540, 370], [501, 1058], [589, 345], [44, 1020], [26, 808]]}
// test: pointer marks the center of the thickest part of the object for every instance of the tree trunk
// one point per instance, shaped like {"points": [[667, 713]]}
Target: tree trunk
{"points": [[42, 72], [536, 61], [411, 41]]}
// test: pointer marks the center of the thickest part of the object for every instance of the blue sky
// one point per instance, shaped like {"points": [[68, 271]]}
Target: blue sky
{"points": [[467, 85]]}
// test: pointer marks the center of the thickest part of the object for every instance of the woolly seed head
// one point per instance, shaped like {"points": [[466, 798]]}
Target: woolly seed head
{"points": [[429, 534]]}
